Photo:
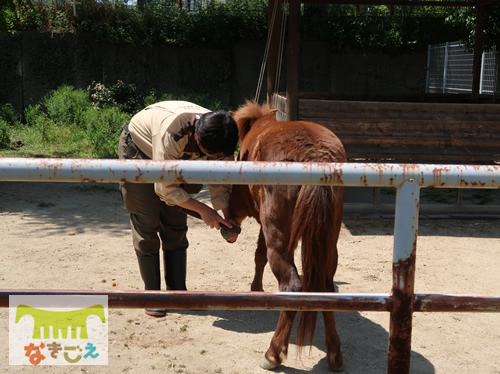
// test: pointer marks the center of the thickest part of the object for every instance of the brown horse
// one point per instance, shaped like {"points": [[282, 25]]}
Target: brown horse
{"points": [[287, 214]]}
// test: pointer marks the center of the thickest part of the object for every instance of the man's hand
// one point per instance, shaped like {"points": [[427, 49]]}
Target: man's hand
{"points": [[226, 234], [207, 214], [212, 218]]}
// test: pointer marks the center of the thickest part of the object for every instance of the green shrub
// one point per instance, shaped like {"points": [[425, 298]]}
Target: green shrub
{"points": [[154, 97], [122, 95], [46, 129], [8, 114], [104, 127], [4, 135], [31, 114], [67, 124], [100, 96], [43, 129], [127, 97], [66, 106], [201, 99], [35, 116], [204, 100]]}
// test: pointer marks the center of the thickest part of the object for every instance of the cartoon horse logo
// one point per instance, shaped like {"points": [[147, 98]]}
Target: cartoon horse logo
{"points": [[60, 320]]}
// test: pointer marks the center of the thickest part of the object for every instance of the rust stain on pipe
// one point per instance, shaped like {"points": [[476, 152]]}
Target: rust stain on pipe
{"points": [[399, 353]]}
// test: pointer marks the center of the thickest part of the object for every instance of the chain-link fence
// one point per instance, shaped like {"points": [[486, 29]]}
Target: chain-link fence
{"points": [[450, 66]]}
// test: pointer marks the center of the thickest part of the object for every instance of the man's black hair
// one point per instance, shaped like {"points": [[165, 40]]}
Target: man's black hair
{"points": [[217, 132]]}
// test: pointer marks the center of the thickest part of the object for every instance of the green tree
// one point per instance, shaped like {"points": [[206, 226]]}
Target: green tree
{"points": [[156, 22], [465, 17], [9, 11]]}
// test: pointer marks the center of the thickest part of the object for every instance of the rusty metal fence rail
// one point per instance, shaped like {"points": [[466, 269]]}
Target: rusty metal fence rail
{"points": [[401, 302]]}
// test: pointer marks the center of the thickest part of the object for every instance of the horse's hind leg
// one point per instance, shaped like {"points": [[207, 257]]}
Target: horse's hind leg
{"points": [[276, 229], [333, 355], [278, 349], [260, 263]]}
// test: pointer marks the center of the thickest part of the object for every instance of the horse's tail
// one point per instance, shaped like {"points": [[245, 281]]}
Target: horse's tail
{"points": [[316, 221]]}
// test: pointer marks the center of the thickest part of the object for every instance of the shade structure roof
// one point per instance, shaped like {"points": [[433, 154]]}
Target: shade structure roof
{"points": [[294, 39]]}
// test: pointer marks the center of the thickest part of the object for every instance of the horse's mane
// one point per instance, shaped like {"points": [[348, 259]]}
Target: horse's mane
{"points": [[248, 113]]}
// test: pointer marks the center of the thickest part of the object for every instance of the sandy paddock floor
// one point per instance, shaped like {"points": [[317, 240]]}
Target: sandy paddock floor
{"points": [[76, 236]]}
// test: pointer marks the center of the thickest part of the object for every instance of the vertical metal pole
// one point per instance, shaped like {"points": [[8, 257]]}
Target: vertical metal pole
{"points": [[274, 24], [292, 87], [478, 49], [21, 77], [445, 68], [403, 277], [483, 60], [496, 70], [427, 76]]}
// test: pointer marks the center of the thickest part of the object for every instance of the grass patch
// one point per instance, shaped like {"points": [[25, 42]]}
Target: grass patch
{"points": [[76, 123]]}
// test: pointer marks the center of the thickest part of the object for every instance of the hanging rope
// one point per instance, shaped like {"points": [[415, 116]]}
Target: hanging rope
{"points": [[266, 52], [280, 52]]}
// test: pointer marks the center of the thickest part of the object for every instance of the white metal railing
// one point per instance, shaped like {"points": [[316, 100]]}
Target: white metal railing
{"points": [[232, 172]]}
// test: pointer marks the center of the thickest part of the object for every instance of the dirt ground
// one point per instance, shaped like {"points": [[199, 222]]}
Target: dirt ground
{"points": [[76, 236]]}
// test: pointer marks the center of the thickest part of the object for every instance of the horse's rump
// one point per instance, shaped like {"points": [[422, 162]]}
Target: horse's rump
{"points": [[316, 222]]}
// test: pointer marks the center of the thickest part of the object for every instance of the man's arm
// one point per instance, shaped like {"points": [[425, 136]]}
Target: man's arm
{"points": [[208, 215]]}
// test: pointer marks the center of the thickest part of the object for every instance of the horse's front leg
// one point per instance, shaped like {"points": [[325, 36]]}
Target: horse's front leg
{"points": [[260, 263]]}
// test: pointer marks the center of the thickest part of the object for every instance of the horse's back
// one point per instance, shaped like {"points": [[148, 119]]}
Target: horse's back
{"points": [[296, 141]]}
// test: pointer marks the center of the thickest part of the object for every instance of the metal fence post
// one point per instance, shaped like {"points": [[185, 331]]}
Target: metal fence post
{"points": [[445, 67], [403, 276], [481, 75], [427, 74]]}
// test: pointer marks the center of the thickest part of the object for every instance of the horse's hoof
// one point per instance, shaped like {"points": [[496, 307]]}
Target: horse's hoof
{"points": [[335, 361], [268, 365], [336, 366], [256, 288]]}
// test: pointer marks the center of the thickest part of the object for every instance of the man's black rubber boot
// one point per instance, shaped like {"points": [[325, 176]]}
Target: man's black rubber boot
{"points": [[149, 267], [175, 269]]}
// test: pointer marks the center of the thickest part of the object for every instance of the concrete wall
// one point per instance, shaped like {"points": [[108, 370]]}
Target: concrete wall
{"points": [[32, 64]]}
